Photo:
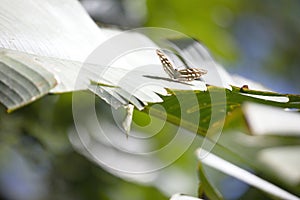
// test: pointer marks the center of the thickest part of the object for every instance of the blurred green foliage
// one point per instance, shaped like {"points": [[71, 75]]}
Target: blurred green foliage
{"points": [[208, 21], [37, 160], [257, 39]]}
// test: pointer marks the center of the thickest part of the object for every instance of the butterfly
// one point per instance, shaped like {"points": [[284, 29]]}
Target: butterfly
{"points": [[188, 74]]}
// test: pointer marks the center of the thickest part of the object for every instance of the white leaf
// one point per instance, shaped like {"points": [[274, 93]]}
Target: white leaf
{"points": [[283, 162], [265, 120], [183, 197]]}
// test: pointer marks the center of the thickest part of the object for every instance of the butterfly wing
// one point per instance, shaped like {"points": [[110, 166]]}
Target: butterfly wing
{"points": [[189, 74], [167, 65]]}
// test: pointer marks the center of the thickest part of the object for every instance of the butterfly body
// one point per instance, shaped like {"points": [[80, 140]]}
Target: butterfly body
{"points": [[187, 74]]}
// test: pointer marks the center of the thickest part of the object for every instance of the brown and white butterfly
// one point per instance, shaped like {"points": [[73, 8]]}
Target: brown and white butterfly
{"points": [[187, 74]]}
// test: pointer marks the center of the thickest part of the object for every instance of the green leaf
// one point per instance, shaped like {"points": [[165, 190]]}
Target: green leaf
{"points": [[202, 104], [206, 189]]}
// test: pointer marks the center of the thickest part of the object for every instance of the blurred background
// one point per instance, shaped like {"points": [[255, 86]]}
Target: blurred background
{"points": [[257, 39]]}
